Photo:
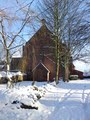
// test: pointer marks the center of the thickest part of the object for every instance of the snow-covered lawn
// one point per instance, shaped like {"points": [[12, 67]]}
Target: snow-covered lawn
{"points": [[66, 101]]}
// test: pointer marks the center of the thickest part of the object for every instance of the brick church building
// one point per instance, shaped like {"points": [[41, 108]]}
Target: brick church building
{"points": [[38, 60]]}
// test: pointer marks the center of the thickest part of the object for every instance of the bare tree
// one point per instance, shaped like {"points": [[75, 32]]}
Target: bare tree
{"points": [[12, 28], [70, 30]]}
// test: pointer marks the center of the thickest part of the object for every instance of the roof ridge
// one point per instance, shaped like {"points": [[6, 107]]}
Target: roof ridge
{"points": [[37, 32]]}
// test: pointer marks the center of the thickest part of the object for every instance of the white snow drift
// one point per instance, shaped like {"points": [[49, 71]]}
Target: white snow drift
{"points": [[66, 101]]}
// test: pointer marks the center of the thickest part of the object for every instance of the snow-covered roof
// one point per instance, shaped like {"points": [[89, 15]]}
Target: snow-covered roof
{"points": [[10, 74]]}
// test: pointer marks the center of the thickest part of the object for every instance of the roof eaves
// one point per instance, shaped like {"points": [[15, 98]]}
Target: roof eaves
{"points": [[42, 65]]}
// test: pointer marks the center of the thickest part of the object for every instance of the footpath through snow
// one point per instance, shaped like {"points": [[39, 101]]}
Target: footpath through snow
{"points": [[66, 101]]}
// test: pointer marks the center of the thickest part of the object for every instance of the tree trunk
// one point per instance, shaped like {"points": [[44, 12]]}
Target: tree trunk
{"points": [[57, 61], [66, 73], [7, 60], [33, 64], [56, 39], [9, 82]]}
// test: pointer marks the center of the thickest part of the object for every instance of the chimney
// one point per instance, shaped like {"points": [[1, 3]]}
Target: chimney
{"points": [[43, 21]]}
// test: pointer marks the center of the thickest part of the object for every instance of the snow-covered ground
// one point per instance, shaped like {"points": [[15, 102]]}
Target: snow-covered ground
{"points": [[66, 101]]}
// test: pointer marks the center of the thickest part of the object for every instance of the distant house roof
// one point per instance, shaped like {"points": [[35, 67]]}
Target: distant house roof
{"points": [[2, 65], [77, 71], [15, 62], [16, 59]]}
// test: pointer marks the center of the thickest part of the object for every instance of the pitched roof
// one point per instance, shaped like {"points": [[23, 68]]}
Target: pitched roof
{"points": [[42, 65], [42, 29]]}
